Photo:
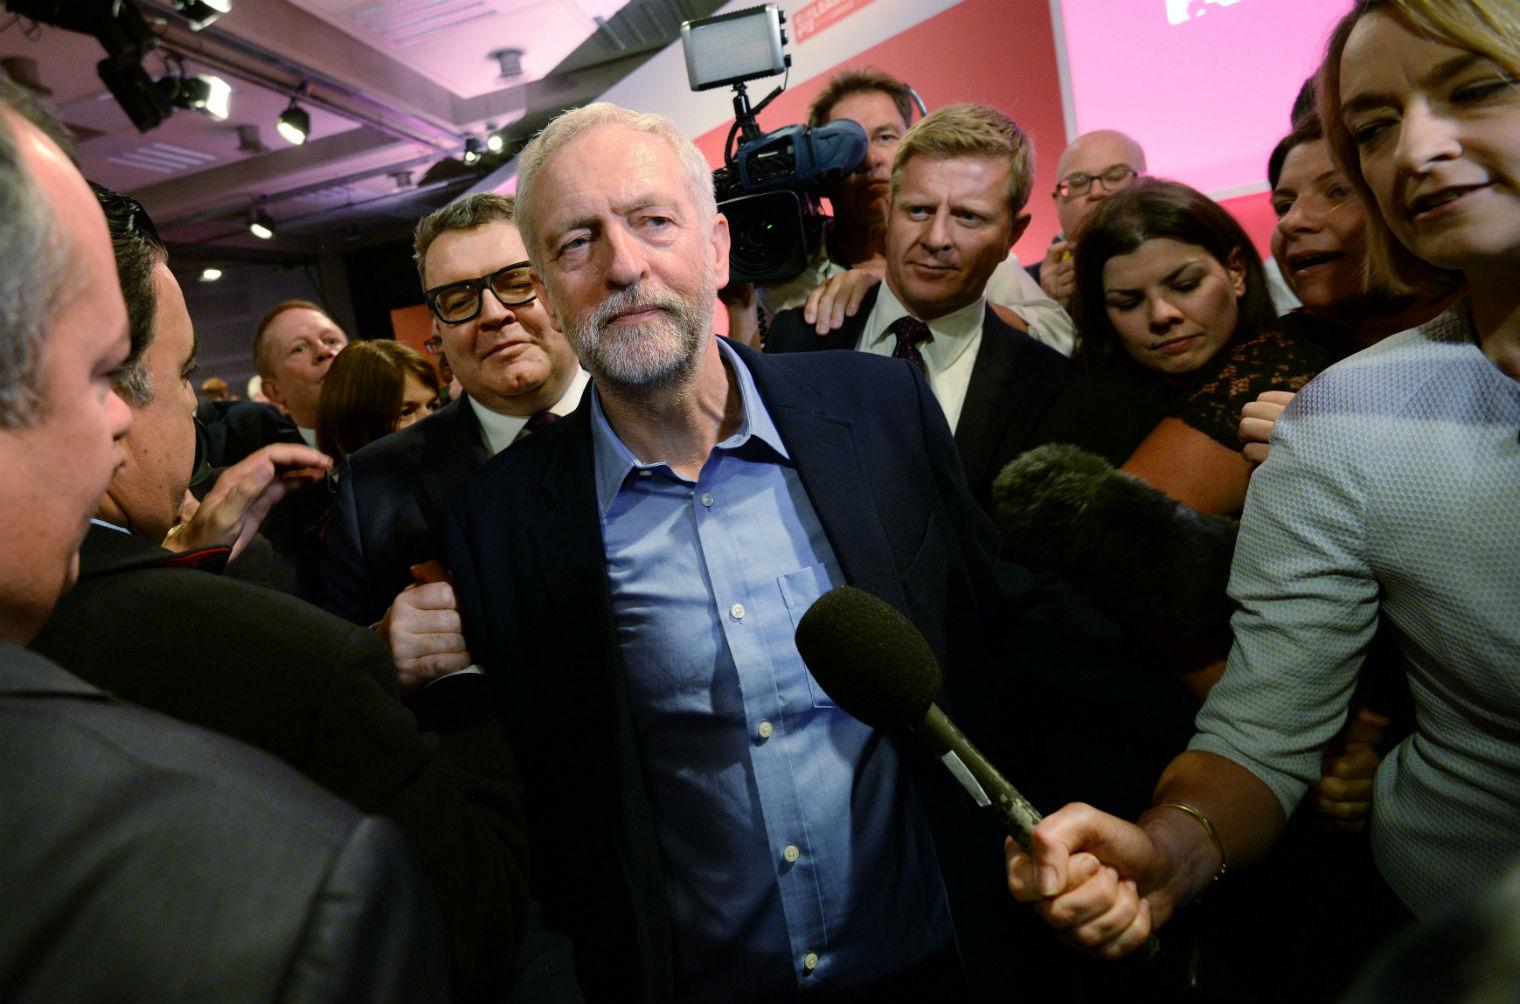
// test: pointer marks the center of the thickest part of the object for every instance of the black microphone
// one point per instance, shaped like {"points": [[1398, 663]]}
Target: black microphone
{"points": [[875, 664]]}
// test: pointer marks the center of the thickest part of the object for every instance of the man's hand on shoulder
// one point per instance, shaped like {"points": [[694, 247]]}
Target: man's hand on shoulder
{"points": [[243, 494], [1058, 274], [425, 635], [839, 296]]}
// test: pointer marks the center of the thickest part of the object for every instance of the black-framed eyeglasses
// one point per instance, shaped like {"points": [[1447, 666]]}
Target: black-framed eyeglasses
{"points": [[1111, 178], [459, 302]]}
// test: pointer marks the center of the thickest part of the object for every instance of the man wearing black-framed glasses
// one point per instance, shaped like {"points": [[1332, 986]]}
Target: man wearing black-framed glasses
{"points": [[1093, 167], [516, 371]]}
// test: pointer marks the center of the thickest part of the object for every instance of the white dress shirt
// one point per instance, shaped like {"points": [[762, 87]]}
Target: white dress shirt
{"points": [[501, 431], [949, 356]]}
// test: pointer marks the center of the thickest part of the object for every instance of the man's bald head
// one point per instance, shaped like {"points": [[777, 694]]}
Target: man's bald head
{"points": [[1088, 156], [63, 333]]}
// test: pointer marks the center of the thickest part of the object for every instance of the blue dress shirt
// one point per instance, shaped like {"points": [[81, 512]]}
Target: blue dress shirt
{"points": [[797, 855]]}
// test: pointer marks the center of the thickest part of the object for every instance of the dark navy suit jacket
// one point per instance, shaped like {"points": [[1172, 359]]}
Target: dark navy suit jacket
{"points": [[874, 452], [1013, 382]]}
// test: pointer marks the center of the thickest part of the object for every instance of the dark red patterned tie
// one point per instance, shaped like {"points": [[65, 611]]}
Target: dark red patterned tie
{"points": [[541, 419], [910, 332]]}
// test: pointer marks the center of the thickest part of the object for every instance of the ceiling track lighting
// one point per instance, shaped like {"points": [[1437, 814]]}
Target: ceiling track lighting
{"points": [[200, 13], [294, 124], [210, 274], [260, 225], [201, 92], [472, 148]]}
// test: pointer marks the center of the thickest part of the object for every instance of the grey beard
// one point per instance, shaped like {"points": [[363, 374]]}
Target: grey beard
{"points": [[654, 356]]}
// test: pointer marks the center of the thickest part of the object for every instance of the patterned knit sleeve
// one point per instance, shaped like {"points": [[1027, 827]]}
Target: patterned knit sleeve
{"points": [[1279, 359]]}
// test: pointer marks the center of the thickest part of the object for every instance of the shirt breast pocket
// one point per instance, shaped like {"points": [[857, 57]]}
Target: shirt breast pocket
{"points": [[800, 590]]}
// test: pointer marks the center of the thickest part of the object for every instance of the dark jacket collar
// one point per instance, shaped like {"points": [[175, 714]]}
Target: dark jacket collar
{"points": [[106, 552]]}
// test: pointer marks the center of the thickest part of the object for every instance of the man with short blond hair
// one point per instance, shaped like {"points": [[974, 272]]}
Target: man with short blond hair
{"points": [[851, 259], [293, 348], [960, 181]]}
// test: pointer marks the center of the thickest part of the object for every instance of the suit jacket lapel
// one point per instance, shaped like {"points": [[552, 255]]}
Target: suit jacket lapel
{"points": [[824, 448], [978, 430], [452, 440]]}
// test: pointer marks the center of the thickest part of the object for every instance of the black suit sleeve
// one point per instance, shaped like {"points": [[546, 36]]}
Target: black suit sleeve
{"points": [[362, 940], [346, 581], [455, 792]]}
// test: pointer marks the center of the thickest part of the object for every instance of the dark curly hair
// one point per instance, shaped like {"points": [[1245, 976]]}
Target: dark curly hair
{"points": [[1147, 210]]}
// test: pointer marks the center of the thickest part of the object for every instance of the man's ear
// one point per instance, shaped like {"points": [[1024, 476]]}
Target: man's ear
{"points": [[271, 390], [1235, 264], [719, 246], [1017, 228], [542, 292]]}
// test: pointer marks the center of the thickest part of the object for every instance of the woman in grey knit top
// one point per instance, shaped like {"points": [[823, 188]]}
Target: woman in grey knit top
{"points": [[1392, 490]]}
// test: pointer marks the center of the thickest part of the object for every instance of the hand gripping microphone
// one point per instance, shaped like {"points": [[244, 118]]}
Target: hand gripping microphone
{"points": [[877, 666]]}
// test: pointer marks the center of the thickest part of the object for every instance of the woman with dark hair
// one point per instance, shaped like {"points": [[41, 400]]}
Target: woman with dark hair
{"points": [[373, 389], [1320, 247], [1176, 332], [1392, 494]]}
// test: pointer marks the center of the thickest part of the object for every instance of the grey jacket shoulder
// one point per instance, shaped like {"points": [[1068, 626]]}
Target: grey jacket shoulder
{"points": [[156, 861]]}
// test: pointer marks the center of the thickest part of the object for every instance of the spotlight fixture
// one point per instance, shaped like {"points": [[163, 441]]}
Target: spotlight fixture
{"points": [[496, 142], [294, 124], [145, 103], [261, 226], [202, 12], [210, 274], [508, 62], [471, 150], [202, 92]]}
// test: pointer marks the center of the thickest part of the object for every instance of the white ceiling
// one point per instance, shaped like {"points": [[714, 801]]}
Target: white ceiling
{"points": [[391, 85]]}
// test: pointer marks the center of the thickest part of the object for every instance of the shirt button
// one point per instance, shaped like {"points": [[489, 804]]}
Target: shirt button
{"points": [[707, 499], [810, 961], [765, 730], [646, 474], [792, 854], [736, 611]]}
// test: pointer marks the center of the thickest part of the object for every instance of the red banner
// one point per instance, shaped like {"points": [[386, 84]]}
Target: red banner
{"points": [[820, 14]]}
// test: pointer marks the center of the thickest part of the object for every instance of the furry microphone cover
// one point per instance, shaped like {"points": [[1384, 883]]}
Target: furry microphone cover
{"points": [[1143, 557]]}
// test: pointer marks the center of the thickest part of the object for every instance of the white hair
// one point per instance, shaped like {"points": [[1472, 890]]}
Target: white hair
{"points": [[571, 124]]}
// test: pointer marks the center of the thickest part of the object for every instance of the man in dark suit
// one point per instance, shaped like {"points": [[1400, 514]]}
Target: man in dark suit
{"points": [[706, 823], [162, 629], [960, 181], [517, 372], [144, 859]]}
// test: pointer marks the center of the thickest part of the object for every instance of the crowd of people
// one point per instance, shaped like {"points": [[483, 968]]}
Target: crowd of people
{"points": [[480, 684]]}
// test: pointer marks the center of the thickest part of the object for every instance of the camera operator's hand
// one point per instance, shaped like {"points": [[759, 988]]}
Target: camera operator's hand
{"points": [[839, 296], [738, 298], [1058, 275]]}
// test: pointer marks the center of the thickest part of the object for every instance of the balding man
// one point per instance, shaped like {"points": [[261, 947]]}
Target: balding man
{"points": [[1094, 166], [144, 860]]}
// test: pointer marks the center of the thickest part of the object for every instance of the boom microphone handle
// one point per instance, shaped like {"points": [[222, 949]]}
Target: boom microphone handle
{"points": [[982, 781]]}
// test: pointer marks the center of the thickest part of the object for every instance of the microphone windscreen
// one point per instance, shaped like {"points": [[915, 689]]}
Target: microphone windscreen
{"points": [[869, 658], [1138, 554]]}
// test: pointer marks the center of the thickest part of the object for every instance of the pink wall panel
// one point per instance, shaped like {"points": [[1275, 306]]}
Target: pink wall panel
{"points": [[1001, 52]]}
